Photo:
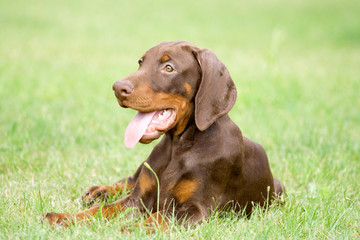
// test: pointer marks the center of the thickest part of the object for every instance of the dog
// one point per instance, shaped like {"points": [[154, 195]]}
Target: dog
{"points": [[203, 162]]}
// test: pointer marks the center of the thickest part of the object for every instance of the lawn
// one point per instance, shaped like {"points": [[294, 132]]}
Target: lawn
{"points": [[296, 65]]}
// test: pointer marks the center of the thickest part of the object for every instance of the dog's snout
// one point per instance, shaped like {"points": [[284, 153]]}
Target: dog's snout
{"points": [[123, 88]]}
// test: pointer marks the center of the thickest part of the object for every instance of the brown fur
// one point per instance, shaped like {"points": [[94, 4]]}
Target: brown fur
{"points": [[203, 161]]}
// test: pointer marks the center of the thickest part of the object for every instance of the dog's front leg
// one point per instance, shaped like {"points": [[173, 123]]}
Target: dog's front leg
{"points": [[66, 219], [142, 197], [102, 192]]}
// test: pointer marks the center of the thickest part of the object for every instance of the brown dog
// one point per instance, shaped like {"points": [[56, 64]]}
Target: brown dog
{"points": [[203, 162]]}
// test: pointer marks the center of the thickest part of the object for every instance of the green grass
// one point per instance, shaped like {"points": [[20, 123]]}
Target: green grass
{"points": [[296, 65]]}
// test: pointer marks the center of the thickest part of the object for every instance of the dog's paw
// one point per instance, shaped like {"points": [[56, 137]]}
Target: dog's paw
{"points": [[96, 193], [58, 219]]}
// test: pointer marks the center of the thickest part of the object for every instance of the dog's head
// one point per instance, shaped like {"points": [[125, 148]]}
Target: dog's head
{"points": [[175, 81]]}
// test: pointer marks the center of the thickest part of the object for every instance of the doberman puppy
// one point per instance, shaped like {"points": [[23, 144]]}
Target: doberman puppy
{"points": [[203, 162]]}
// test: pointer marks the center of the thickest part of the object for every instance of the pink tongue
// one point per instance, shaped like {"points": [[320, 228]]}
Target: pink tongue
{"points": [[136, 128]]}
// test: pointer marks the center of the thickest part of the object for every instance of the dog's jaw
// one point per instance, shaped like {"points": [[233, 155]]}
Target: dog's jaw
{"points": [[146, 127], [161, 122]]}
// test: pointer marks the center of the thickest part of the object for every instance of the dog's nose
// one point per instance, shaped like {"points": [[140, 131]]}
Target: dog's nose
{"points": [[123, 88]]}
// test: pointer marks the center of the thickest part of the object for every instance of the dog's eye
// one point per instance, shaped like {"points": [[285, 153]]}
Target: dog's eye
{"points": [[169, 68], [140, 61]]}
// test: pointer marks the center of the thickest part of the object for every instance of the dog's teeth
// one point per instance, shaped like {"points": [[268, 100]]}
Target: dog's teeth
{"points": [[163, 115]]}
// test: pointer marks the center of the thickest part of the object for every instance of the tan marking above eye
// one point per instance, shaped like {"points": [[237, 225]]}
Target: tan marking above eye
{"points": [[164, 58]]}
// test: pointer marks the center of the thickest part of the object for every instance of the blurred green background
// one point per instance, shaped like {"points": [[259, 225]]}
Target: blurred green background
{"points": [[296, 65]]}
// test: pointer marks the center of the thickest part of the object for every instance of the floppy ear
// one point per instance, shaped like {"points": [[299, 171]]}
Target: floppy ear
{"points": [[217, 92]]}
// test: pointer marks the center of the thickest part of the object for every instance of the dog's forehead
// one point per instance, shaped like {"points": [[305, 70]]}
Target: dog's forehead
{"points": [[172, 50]]}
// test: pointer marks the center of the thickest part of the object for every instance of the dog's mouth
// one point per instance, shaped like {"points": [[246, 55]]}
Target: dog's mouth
{"points": [[146, 127]]}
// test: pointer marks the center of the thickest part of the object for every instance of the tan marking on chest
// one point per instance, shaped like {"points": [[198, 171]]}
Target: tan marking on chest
{"points": [[185, 189], [145, 183]]}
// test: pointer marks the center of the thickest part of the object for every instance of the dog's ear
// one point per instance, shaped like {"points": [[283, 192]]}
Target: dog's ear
{"points": [[217, 92]]}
